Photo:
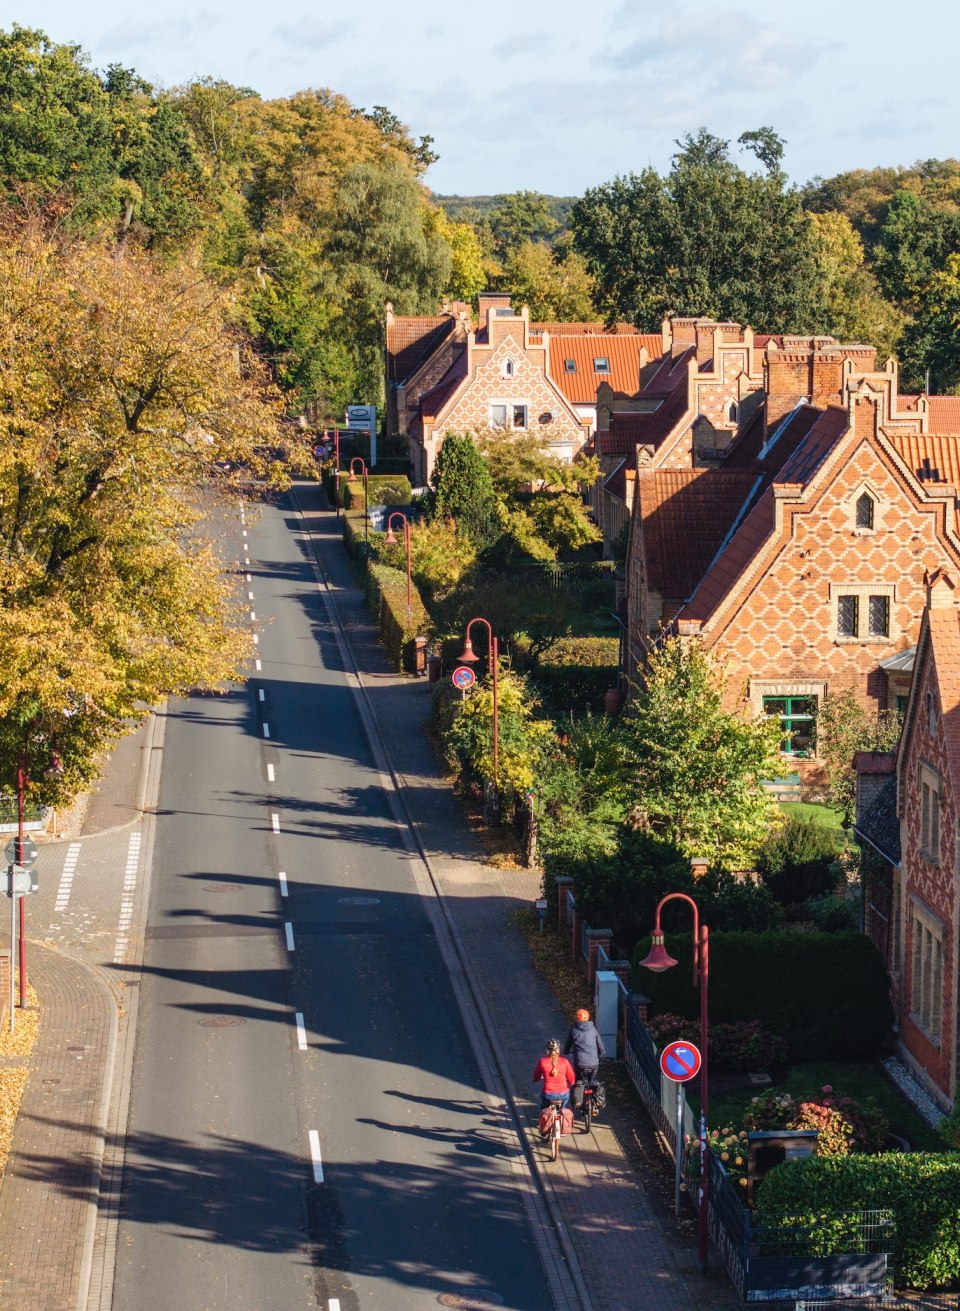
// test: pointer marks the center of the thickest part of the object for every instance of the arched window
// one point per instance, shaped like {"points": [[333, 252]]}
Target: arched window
{"points": [[508, 368], [865, 511], [732, 412]]}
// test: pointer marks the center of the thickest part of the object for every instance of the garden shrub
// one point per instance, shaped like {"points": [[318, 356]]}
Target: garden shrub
{"points": [[826, 993], [573, 689], [387, 594], [745, 1045], [831, 914], [948, 1130], [797, 861], [382, 489], [843, 1124], [351, 522], [586, 651], [921, 1188]]}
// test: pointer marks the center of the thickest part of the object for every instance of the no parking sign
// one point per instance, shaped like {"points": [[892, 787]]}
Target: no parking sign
{"points": [[680, 1061]]}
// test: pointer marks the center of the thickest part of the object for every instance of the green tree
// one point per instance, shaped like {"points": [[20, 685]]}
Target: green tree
{"points": [[699, 769], [463, 490], [556, 287], [519, 217], [854, 309], [709, 238], [844, 727], [522, 738]]}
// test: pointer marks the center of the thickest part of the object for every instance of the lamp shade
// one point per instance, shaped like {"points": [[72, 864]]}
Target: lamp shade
{"points": [[659, 958], [55, 768], [390, 540], [469, 656]]}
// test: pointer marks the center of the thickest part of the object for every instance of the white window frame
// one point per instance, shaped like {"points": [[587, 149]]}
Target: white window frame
{"points": [[509, 407], [863, 592], [926, 994]]}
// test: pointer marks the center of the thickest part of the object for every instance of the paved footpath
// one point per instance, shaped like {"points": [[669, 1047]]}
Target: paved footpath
{"points": [[616, 1235]]}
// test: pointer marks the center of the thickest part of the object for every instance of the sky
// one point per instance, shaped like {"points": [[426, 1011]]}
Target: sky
{"points": [[561, 96]]}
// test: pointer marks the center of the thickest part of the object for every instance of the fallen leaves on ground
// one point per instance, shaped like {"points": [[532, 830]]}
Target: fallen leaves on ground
{"points": [[15, 1050]]}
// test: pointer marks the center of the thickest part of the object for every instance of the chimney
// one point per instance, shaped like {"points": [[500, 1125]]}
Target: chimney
{"points": [[939, 587], [698, 867], [487, 302]]}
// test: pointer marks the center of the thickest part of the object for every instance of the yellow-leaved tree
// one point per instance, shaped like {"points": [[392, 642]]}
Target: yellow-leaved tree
{"points": [[129, 409]]}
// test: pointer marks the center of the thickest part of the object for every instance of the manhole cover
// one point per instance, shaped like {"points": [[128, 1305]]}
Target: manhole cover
{"points": [[222, 887], [221, 1021], [480, 1298], [359, 901]]}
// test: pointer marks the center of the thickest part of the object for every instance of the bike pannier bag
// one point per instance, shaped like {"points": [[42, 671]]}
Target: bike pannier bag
{"points": [[566, 1120], [599, 1095], [546, 1120], [576, 1095]]}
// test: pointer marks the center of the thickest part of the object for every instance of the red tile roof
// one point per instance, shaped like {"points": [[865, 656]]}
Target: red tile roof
{"points": [[596, 329], [410, 341], [932, 457], [944, 414], [757, 528], [432, 402], [686, 515], [622, 353]]}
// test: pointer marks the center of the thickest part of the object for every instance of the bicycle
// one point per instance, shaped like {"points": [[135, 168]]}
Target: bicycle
{"points": [[555, 1131], [588, 1106]]}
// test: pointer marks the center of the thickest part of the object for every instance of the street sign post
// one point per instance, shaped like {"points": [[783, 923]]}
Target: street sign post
{"points": [[21, 851], [679, 1061], [463, 677]]}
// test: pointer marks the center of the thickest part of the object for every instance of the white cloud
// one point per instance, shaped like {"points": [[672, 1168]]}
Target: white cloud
{"points": [[309, 34]]}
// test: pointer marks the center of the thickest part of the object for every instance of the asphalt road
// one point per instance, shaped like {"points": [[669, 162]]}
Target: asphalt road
{"points": [[308, 1126]]}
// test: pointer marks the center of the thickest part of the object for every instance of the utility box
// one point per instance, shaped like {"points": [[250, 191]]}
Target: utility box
{"points": [[767, 1148], [606, 1002]]}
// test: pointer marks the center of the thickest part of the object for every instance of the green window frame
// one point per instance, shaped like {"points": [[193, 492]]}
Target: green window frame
{"points": [[798, 720]]}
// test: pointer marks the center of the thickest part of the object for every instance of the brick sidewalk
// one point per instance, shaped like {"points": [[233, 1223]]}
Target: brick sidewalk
{"points": [[616, 1234], [49, 1195]]}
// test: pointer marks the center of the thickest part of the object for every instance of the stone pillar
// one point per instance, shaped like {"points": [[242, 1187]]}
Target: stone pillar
{"points": [[596, 938], [564, 884]]}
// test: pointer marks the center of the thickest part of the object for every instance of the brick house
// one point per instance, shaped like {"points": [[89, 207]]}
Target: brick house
{"points": [[449, 374], [798, 554], [912, 822]]}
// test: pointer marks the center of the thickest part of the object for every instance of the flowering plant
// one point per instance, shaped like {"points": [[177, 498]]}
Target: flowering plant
{"points": [[843, 1124], [730, 1147]]}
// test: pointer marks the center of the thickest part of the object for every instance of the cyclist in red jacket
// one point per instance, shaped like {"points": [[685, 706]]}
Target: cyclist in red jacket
{"points": [[557, 1075]]}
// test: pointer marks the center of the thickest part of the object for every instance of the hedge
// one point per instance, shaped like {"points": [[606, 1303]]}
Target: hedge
{"points": [[382, 489], [351, 522], [387, 594], [922, 1189], [592, 651], [827, 994], [573, 689]]}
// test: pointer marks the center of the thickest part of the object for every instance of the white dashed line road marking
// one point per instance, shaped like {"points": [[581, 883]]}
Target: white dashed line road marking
{"points": [[261, 694], [301, 1032], [266, 730], [315, 1157], [288, 930], [259, 665], [334, 1304], [275, 822], [256, 640], [283, 883], [253, 616], [249, 579], [271, 774], [66, 878]]}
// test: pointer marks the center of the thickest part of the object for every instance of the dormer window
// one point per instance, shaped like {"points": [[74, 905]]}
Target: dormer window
{"points": [[569, 366], [601, 364], [865, 511]]}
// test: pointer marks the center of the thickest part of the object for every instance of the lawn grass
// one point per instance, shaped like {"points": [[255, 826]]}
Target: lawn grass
{"points": [[860, 1080], [825, 815]]}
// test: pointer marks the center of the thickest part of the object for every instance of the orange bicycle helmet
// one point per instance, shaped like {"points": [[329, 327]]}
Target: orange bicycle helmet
{"points": [[583, 1014]]}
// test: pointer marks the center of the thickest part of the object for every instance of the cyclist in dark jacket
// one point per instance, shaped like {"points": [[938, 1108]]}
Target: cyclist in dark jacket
{"points": [[584, 1042]]}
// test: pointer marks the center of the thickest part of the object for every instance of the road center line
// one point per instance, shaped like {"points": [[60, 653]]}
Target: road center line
{"points": [[334, 1304], [249, 594], [271, 774], [288, 930], [315, 1157], [283, 883], [259, 665], [301, 1032], [256, 640], [253, 616], [244, 532], [261, 694], [266, 730], [275, 822]]}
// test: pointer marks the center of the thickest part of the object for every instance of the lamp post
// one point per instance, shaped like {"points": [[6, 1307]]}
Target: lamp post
{"points": [[357, 459], [659, 960], [470, 657], [336, 469], [391, 541], [53, 770]]}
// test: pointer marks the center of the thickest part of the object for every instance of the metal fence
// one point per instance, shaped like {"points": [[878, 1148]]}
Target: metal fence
{"points": [[772, 1263]]}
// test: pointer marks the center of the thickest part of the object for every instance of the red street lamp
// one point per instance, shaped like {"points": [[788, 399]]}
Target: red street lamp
{"points": [[659, 960], [357, 459], [391, 540], [470, 657], [54, 770], [336, 469]]}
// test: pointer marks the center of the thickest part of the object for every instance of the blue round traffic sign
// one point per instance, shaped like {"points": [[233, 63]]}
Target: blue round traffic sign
{"points": [[680, 1061], [463, 677]]}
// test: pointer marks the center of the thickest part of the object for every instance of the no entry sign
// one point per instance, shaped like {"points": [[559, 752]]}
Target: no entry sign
{"points": [[680, 1061]]}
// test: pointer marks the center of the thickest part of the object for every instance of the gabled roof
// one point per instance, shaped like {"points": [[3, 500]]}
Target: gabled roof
{"points": [[668, 376], [600, 330], [757, 528], [944, 628], [686, 514], [432, 402], [411, 340], [579, 384]]}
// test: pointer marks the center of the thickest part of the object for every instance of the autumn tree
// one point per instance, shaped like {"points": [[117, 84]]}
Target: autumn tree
{"points": [[555, 285], [844, 727], [125, 395]]}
